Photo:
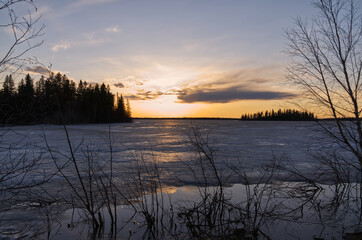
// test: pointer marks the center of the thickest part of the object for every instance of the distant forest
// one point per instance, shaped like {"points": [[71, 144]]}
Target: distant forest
{"points": [[280, 115], [57, 99]]}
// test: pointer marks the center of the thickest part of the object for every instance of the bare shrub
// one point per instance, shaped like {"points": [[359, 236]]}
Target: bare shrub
{"points": [[326, 66]]}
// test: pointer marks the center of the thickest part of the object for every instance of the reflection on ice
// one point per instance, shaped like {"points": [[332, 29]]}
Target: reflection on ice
{"points": [[256, 143]]}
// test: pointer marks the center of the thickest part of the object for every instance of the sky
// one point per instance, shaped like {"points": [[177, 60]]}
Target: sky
{"points": [[174, 58]]}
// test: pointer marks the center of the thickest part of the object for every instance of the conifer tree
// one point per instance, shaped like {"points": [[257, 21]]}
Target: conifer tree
{"points": [[128, 109], [57, 99], [120, 106], [8, 86]]}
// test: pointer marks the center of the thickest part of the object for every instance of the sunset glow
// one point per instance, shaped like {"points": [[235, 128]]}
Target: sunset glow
{"points": [[165, 106], [173, 58]]}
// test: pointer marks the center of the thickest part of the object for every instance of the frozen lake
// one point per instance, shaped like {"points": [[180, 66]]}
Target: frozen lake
{"points": [[248, 143]]}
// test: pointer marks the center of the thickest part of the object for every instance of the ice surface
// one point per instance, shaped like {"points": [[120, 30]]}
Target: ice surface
{"points": [[251, 144]]}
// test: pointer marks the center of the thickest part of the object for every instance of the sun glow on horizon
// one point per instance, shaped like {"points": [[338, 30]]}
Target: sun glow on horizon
{"points": [[164, 106], [169, 106]]}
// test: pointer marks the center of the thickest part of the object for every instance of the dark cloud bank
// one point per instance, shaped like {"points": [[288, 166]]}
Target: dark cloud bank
{"points": [[193, 95], [226, 88], [228, 95], [37, 69], [119, 85]]}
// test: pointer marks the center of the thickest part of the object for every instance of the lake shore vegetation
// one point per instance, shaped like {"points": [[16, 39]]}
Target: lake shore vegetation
{"points": [[280, 115], [58, 99]]}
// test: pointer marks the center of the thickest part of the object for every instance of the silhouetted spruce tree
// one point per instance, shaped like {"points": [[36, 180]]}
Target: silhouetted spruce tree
{"points": [[40, 99], [7, 100], [128, 109], [25, 101], [8, 86], [57, 99], [121, 111]]}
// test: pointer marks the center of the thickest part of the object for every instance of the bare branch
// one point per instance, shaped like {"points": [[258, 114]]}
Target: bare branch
{"points": [[26, 34]]}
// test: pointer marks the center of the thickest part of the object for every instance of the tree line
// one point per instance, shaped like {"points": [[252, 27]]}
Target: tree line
{"points": [[280, 115], [57, 99]]}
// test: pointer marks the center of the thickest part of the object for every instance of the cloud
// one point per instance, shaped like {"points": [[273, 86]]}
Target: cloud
{"points": [[225, 95], [246, 84], [135, 97], [221, 95], [88, 39], [174, 92], [112, 29], [140, 82], [63, 45], [145, 95], [37, 70], [247, 77], [119, 85]]}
